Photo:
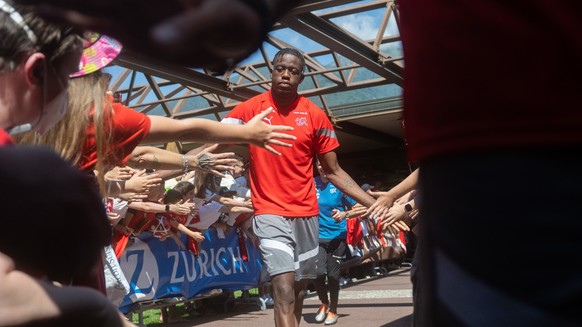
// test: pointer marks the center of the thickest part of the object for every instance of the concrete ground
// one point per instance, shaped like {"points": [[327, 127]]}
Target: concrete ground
{"points": [[379, 301]]}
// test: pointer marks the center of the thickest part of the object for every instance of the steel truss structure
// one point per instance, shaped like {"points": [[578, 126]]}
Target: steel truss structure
{"points": [[354, 73]]}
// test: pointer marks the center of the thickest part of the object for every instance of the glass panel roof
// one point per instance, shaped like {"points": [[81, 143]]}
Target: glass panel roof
{"points": [[354, 67]]}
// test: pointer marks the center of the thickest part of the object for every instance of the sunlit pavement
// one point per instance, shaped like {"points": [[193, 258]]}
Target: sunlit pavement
{"points": [[379, 301]]}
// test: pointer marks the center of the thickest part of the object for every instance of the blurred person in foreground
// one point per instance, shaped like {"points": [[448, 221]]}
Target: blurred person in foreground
{"points": [[493, 119], [43, 236], [214, 34], [35, 61]]}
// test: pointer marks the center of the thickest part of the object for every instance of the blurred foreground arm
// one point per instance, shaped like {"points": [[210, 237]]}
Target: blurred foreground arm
{"points": [[197, 33], [26, 301], [22, 298]]}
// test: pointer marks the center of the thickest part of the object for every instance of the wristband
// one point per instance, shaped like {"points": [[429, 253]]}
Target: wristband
{"points": [[407, 207], [167, 208], [185, 164]]}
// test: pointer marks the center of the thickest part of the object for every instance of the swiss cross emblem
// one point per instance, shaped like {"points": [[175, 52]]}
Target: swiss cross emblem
{"points": [[301, 121]]}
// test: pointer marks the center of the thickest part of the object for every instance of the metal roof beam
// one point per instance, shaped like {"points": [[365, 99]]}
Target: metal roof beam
{"points": [[182, 75], [338, 40], [313, 5]]}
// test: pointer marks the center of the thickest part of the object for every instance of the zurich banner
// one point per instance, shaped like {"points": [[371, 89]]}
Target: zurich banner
{"points": [[158, 269]]}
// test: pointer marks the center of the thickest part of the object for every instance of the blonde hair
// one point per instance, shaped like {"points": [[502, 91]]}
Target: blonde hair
{"points": [[200, 184], [69, 135]]}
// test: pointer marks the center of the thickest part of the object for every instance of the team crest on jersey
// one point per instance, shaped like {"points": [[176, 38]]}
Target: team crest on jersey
{"points": [[301, 121]]}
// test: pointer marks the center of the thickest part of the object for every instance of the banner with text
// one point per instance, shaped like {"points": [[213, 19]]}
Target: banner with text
{"points": [[159, 269]]}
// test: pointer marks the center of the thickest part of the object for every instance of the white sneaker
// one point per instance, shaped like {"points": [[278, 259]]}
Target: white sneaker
{"points": [[321, 313], [331, 318], [269, 301], [263, 303], [342, 281]]}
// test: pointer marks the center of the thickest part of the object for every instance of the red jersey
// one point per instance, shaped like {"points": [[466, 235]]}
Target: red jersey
{"points": [[491, 74], [5, 138], [129, 129], [141, 221], [283, 185]]}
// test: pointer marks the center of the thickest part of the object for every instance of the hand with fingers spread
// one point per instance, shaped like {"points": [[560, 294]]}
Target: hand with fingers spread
{"points": [[262, 134], [142, 182], [397, 226], [188, 203], [180, 209], [380, 208], [133, 197], [396, 213], [358, 210], [196, 236], [387, 199], [214, 163], [118, 173]]}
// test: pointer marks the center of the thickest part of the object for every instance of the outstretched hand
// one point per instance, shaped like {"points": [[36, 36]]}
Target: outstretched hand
{"points": [[380, 208], [394, 214], [133, 197], [142, 182], [396, 227], [262, 134], [358, 210], [214, 163], [180, 209], [118, 173]]}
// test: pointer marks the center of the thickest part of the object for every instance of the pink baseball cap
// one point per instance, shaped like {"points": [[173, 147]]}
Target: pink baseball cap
{"points": [[98, 51]]}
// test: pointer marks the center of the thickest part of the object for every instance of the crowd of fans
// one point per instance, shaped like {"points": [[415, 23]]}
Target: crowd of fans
{"points": [[195, 201], [104, 144], [466, 144]]}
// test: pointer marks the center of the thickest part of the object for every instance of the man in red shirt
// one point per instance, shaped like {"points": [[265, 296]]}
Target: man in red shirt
{"points": [[282, 188]]}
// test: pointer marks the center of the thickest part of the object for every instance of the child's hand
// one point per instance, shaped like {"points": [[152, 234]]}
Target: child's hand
{"points": [[198, 237], [113, 218]]}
